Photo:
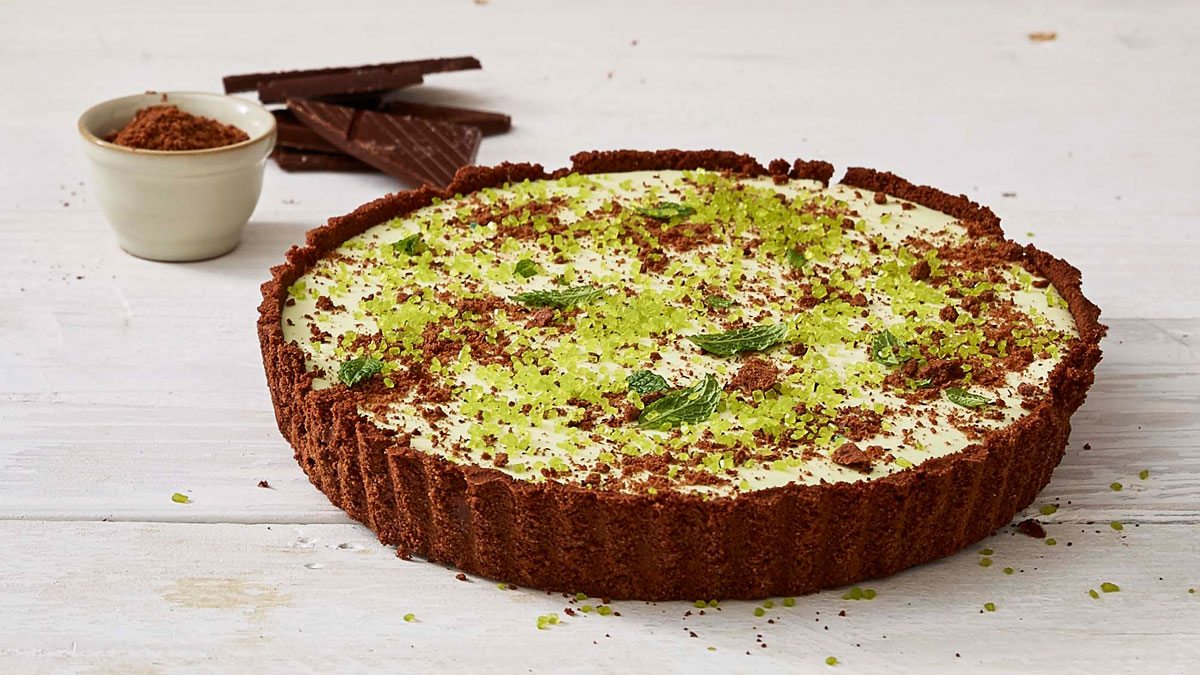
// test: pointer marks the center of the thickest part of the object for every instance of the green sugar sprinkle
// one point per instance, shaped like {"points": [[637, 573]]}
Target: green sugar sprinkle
{"points": [[758, 611], [546, 620], [581, 596], [713, 602], [1092, 592], [1116, 487], [1109, 587], [179, 498], [986, 562], [699, 604], [831, 661], [1191, 590], [986, 551], [1048, 509], [858, 593], [586, 608], [604, 610], [410, 617], [769, 604], [989, 606], [1116, 526], [1144, 474], [1051, 541], [1008, 570], [789, 602]]}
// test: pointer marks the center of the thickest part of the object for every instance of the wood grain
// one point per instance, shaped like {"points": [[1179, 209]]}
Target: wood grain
{"points": [[123, 381]]}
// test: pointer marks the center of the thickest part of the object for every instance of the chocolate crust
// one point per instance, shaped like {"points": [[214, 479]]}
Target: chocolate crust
{"points": [[781, 541]]}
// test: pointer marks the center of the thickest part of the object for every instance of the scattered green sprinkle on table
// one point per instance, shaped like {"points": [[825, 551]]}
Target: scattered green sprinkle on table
{"points": [[179, 498]]}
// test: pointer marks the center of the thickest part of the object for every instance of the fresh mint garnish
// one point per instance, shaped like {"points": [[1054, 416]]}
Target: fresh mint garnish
{"points": [[796, 258], [682, 406], [559, 299], [358, 369], [754, 339], [411, 245], [666, 211], [526, 268], [923, 383], [646, 382], [966, 398], [889, 350], [718, 301]]}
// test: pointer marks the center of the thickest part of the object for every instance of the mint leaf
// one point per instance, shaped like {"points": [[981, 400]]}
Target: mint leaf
{"points": [[718, 301], [966, 398], [682, 406], [889, 350], [356, 370], [559, 299], [646, 382], [753, 339], [923, 383], [411, 245], [526, 268], [666, 211], [796, 258]]}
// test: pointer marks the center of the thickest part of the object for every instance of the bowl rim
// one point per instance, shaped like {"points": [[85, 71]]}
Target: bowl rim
{"points": [[89, 137]]}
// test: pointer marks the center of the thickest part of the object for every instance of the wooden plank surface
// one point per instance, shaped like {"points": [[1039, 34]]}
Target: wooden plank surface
{"points": [[123, 381]]}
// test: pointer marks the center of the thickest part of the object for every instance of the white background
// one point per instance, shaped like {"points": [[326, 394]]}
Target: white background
{"points": [[123, 381]]}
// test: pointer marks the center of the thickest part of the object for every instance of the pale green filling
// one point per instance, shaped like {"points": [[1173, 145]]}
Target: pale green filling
{"points": [[613, 334]]}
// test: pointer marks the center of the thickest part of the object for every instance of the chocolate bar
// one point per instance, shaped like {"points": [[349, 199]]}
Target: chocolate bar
{"points": [[250, 81], [293, 134], [357, 81], [292, 160], [414, 150], [490, 123]]}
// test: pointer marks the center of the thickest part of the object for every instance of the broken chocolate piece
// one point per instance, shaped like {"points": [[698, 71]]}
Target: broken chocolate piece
{"points": [[293, 134], [250, 81], [490, 123], [851, 456], [417, 151], [357, 81], [1031, 527], [293, 160]]}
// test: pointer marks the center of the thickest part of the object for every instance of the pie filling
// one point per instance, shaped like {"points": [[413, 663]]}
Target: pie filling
{"points": [[680, 331]]}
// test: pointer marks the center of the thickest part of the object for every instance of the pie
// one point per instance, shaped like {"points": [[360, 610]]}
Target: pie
{"points": [[676, 375]]}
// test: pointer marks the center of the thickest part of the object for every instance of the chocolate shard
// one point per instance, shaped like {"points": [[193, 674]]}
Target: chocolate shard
{"points": [[293, 134], [250, 81], [292, 160], [414, 150], [490, 123], [357, 81]]}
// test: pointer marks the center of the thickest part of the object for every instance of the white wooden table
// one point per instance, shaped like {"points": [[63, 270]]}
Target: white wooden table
{"points": [[123, 381]]}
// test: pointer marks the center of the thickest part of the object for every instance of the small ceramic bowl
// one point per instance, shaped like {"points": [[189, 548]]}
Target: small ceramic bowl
{"points": [[178, 205]]}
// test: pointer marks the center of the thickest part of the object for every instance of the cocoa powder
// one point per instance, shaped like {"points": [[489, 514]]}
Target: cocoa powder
{"points": [[166, 127]]}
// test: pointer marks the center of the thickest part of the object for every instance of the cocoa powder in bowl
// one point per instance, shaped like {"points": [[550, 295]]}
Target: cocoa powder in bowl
{"points": [[166, 127]]}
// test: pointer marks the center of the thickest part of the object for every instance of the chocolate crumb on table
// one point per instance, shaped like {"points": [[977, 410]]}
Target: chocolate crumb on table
{"points": [[166, 127]]}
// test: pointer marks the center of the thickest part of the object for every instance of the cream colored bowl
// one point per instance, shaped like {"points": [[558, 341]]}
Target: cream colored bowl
{"points": [[178, 205]]}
